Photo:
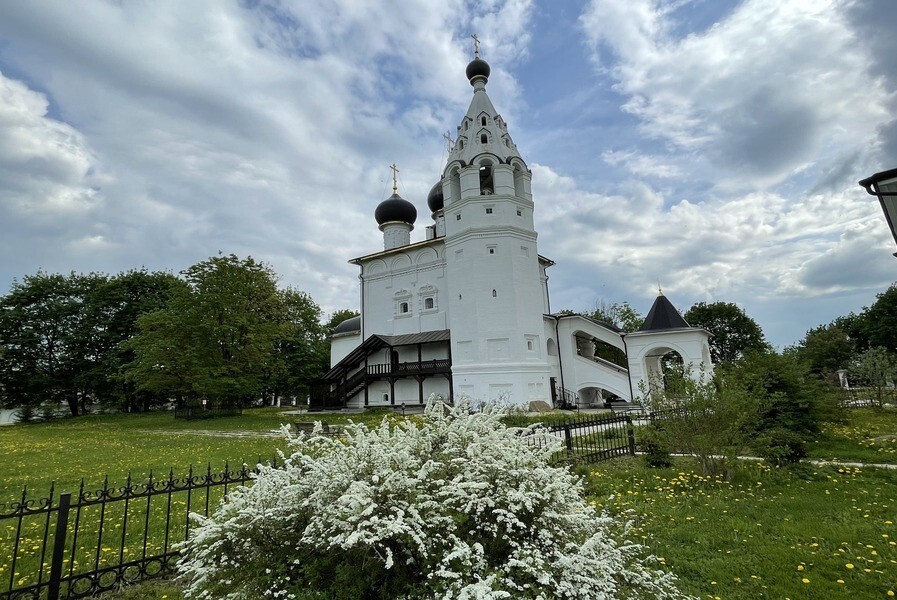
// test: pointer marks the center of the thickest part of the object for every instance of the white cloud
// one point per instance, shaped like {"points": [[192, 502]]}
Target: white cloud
{"points": [[44, 164], [759, 245], [263, 130], [775, 88]]}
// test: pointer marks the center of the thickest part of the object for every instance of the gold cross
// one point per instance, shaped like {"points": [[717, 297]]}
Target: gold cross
{"points": [[395, 172], [476, 46], [448, 139]]}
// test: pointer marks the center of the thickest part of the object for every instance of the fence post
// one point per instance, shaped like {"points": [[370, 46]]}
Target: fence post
{"points": [[568, 439], [630, 433], [62, 524]]}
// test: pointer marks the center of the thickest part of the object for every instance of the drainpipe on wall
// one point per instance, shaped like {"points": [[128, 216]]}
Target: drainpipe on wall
{"points": [[628, 368]]}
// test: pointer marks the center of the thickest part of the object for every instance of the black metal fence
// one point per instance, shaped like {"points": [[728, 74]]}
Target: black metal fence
{"points": [[588, 439], [79, 545], [864, 397], [202, 412]]}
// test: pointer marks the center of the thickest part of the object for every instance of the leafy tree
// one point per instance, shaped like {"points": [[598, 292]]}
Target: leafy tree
{"points": [[112, 310], [877, 369], [792, 403], [618, 314], [699, 415], [878, 323], [301, 353], [826, 349], [732, 332], [217, 337], [46, 337]]}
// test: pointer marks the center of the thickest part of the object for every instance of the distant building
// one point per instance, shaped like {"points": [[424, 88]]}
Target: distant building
{"points": [[466, 311]]}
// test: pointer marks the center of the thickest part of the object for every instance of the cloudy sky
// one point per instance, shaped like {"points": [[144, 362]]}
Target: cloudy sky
{"points": [[712, 146]]}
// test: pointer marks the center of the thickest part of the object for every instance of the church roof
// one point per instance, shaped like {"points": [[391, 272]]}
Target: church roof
{"points": [[377, 342], [350, 325], [472, 131], [663, 315]]}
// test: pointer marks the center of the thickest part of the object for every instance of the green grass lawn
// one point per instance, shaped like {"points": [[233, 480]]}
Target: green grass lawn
{"points": [[870, 436], [758, 536], [764, 533], [89, 447]]}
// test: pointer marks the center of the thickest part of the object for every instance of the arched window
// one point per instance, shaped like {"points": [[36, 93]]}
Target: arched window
{"points": [[494, 294], [486, 185], [403, 307], [428, 303], [483, 120], [484, 139]]}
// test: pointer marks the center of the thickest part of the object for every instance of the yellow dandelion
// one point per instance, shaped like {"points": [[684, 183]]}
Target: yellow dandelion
{"points": [[849, 565], [805, 580], [800, 567]]}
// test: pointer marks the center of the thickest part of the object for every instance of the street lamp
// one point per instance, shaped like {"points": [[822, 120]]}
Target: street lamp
{"points": [[884, 185]]}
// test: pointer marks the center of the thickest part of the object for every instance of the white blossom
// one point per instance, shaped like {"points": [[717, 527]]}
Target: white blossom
{"points": [[454, 506]]}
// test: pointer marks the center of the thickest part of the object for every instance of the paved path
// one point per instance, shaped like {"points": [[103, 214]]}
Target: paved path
{"points": [[274, 433]]}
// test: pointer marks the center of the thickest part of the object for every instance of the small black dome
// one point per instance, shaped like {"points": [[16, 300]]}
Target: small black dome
{"points": [[434, 199], [350, 325], [395, 208], [478, 67]]}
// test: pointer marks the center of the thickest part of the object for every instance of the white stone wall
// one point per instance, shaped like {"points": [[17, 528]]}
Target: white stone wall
{"points": [[409, 276], [692, 344]]}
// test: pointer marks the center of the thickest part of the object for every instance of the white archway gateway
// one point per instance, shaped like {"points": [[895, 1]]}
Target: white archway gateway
{"points": [[665, 334]]}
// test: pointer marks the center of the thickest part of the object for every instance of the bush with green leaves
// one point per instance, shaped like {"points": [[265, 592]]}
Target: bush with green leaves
{"points": [[698, 414], [876, 368], [793, 403], [454, 506]]}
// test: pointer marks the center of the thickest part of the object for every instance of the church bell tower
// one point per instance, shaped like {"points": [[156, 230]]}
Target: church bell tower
{"points": [[497, 303]]}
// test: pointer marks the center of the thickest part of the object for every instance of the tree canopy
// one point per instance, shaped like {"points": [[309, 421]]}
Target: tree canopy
{"points": [[732, 332], [220, 335], [618, 314], [61, 334], [222, 331]]}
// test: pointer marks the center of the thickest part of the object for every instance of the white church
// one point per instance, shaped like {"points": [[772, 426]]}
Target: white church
{"points": [[466, 311]]}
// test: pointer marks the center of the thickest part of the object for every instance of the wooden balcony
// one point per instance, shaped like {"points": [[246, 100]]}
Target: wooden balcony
{"points": [[439, 366]]}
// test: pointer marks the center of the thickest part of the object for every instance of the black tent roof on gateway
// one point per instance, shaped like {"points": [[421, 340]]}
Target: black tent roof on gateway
{"points": [[663, 315]]}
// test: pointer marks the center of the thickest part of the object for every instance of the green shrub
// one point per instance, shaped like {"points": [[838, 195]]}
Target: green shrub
{"points": [[780, 446], [454, 506]]}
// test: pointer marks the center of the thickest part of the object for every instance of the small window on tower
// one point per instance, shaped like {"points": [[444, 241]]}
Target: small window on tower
{"points": [[484, 139], [494, 294], [489, 211], [491, 250], [483, 120], [458, 217], [519, 213]]}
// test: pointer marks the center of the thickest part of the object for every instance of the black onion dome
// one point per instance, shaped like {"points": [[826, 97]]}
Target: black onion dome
{"points": [[350, 325], [395, 208], [478, 67], [434, 199]]}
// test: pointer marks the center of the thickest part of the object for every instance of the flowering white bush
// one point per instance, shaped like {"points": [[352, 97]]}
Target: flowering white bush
{"points": [[454, 506]]}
